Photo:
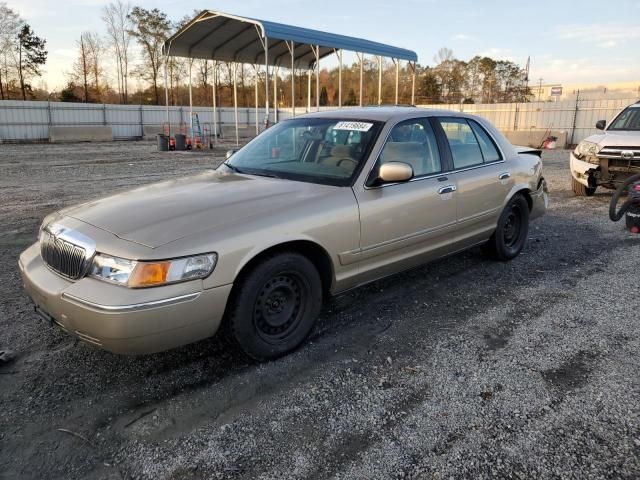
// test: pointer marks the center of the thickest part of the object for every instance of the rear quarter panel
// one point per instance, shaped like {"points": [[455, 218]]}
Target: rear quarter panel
{"points": [[525, 168]]}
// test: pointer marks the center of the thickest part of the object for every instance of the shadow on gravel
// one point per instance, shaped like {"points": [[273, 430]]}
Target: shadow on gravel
{"points": [[573, 373], [354, 320]]}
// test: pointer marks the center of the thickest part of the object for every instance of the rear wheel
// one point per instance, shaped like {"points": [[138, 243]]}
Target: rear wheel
{"points": [[275, 306], [581, 190], [510, 236]]}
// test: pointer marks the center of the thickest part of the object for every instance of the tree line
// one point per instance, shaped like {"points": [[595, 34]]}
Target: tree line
{"points": [[130, 48]]}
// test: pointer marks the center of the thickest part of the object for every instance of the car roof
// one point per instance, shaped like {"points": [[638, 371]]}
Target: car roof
{"points": [[381, 113]]}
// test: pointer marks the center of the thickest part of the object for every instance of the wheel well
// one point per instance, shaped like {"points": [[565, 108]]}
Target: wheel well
{"points": [[314, 252], [526, 193]]}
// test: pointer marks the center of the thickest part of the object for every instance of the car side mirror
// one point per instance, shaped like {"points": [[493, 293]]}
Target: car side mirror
{"points": [[229, 153], [392, 172], [600, 124]]}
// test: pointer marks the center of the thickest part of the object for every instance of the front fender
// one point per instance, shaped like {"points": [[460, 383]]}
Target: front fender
{"points": [[282, 241]]}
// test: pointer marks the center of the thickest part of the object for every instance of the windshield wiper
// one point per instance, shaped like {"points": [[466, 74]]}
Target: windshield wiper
{"points": [[232, 167], [264, 174]]}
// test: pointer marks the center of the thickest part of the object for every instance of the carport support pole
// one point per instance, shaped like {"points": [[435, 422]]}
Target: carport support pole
{"points": [[339, 54], [413, 82], [293, 81], [255, 68], [397, 62], [317, 54], [309, 90], [266, 82], [275, 94], [361, 58], [235, 99], [166, 93], [191, 104], [215, 105], [379, 79]]}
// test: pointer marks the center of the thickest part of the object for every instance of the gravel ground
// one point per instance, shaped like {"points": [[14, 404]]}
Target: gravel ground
{"points": [[464, 368]]}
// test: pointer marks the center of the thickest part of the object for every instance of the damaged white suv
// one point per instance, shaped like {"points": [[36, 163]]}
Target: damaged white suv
{"points": [[608, 158]]}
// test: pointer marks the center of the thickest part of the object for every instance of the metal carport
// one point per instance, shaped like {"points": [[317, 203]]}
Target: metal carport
{"points": [[218, 36]]}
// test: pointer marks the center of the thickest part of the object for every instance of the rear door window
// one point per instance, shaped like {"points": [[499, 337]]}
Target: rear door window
{"points": [[464, 146], [489, 150]]}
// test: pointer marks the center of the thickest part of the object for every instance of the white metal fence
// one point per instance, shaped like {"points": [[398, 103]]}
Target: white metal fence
{"points": [[576, 117], [30, 121]]}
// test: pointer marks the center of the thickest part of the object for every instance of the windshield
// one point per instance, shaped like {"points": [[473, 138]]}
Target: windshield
{"points": [[317, 150], [629, 119]]}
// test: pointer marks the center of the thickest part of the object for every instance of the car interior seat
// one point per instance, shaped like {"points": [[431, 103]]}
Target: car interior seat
{"points": [[412, 153]]}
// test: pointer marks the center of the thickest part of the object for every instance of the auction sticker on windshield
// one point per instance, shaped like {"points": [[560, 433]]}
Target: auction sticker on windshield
{"points": [[353, 126]]}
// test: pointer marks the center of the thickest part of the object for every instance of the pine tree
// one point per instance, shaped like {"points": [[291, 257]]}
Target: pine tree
{"points": [[32, 54]]}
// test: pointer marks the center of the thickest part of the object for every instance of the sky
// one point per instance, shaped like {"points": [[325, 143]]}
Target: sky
{"points": [[570, 42]]}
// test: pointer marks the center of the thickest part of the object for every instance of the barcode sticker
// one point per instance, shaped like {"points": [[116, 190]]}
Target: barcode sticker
{"points": [[353, 126]]}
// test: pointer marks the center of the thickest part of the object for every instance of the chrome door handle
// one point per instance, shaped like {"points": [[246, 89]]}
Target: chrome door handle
{"points": [[504, 176], [447, 189]]}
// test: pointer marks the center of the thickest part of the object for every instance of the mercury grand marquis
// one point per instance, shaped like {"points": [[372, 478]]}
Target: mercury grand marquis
{"points": [[314, 206]]}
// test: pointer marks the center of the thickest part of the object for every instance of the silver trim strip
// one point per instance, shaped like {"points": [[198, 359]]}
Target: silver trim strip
{"points": [[409, 236], [133, 307]]}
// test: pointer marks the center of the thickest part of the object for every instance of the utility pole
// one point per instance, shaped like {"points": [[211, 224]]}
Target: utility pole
{"points": [[540, 88]]}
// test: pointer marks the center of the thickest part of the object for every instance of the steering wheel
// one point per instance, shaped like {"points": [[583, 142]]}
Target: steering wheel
{"points": [[616, 214], [355, 162]]}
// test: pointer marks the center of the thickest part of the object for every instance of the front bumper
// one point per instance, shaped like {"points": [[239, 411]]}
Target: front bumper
{"points": [[539, 200], [581, 170], [124, 320]]}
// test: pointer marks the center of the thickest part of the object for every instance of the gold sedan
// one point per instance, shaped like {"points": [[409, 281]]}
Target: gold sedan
{"points": [[312, 207]]}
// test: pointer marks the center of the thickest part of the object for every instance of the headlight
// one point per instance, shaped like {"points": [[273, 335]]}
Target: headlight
{"points": [[132, 273], [586, 151]]}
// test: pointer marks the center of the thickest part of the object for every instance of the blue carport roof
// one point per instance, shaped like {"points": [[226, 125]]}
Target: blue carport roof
{"points": [[221, 36]]}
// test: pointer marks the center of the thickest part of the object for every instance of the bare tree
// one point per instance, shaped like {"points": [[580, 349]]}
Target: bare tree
{"points": [[9, 28], [204, 72], [87, 70], [94, 48], [177, 69], [81, 67], [116, 17]]}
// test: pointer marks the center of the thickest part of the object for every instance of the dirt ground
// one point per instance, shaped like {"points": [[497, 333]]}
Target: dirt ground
{"points": [[464, 368]]}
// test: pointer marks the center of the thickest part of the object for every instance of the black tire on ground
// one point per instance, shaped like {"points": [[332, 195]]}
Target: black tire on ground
{"points": [[510, 236], [275, 306], [580, 190]]}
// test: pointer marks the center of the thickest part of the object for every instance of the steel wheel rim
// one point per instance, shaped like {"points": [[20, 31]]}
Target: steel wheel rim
{"points": [[279, 306], [512, 227]]}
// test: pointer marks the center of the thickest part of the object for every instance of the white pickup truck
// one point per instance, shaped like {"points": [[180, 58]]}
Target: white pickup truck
{"points": [[608, 158]]}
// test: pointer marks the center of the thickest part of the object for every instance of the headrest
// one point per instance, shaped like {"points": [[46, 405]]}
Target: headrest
{"points": [[341, 151], [402, 151]]}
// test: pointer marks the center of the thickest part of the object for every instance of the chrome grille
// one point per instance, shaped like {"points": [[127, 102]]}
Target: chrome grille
{"points": [[616, 153], [62, 256]]}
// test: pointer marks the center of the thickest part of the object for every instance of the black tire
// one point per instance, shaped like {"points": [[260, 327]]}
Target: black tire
{"points": [[510, 236], [275, 306], [580, 190]]}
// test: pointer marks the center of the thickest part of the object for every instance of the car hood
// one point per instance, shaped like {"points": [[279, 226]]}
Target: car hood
{"points": [[615, 138], [161, 213]]}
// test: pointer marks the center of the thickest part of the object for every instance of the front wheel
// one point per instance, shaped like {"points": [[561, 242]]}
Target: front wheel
{"points": [[508, 240], [275, 306], [581, 190]]}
